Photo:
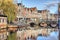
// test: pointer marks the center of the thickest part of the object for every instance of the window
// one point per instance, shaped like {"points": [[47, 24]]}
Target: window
{"points": [[2, 20], [31, 10]]}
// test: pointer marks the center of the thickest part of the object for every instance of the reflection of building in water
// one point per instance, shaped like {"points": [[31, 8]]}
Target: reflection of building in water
{"points": [[3, 26], [35, 33], [12, 28]]}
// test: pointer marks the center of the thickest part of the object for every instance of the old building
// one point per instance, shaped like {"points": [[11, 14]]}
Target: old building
{"points": [[3, 26], [45, 15], [33, 14], [24, 13], [20, 10], [54, 17]]}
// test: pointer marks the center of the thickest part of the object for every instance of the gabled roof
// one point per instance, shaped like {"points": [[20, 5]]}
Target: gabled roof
{"points": [[19, 4], [39, 11], [33, 8], [3, 15]]}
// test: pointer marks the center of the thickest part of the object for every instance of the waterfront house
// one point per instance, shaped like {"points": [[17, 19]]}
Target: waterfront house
{"points": [[3, 26]]}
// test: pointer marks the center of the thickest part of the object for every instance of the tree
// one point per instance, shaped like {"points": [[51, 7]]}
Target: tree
{"points": [[9, 9]]}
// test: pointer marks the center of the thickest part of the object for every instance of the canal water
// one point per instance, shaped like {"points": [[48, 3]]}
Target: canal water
{"points": [[52, 36]]}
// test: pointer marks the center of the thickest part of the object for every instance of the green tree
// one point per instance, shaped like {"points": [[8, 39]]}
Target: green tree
{"points": [[9, 9]]}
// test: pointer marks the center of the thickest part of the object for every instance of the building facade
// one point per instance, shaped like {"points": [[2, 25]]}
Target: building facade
{"points": [[3, 26], [33, 15]]}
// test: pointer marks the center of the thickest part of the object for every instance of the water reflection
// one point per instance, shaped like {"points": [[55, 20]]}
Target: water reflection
{"points": [[52, 36]]}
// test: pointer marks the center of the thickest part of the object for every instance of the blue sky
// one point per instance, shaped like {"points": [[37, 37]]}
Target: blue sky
{"points": [[41, 4]]}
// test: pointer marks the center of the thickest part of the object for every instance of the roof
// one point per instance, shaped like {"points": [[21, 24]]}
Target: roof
{"points": [[3, 15], [19, 4], [40, 11], [33, 8]]}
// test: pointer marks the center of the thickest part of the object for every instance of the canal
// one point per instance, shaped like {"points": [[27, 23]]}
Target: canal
{"points": [[39, 34]]}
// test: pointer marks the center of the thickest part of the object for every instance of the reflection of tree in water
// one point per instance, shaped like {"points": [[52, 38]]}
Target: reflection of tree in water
{"points": [[11, 32]]}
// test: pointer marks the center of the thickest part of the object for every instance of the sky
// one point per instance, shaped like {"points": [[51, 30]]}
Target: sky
{"points": [[41, 4]]}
